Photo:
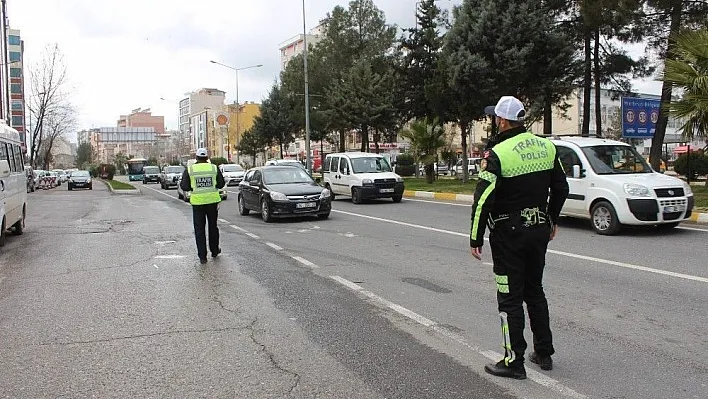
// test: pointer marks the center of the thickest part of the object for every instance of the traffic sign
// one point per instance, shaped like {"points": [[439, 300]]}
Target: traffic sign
{"points": [[639, 117]]}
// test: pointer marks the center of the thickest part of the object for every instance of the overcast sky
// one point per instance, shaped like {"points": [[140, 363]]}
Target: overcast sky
{"points": [[126, 54]]}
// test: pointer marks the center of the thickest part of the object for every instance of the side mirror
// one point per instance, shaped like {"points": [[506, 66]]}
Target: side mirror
{"points": [[4, 169], [576, 171]]}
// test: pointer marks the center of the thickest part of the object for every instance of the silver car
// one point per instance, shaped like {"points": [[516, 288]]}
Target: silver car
{"points": [[170, 176]]}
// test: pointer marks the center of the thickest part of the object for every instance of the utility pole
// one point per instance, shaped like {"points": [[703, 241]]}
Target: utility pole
{"points": [[307, 95]]}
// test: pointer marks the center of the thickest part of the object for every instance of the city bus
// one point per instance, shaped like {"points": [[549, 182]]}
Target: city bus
{"points": [[135, 168]]}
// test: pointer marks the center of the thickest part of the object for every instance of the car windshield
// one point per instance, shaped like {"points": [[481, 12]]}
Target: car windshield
{"points": [[370, 165], [80, 173], [616, 159], [151, 169], [174, 169], [285, 176], [231, 168]]}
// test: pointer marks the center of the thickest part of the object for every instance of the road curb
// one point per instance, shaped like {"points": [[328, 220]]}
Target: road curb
{"points": [[135, 191], [696, 217]]}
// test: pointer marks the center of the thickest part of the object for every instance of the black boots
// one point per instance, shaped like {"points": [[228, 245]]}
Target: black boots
{"points": [[545, 362], [502, 370]]}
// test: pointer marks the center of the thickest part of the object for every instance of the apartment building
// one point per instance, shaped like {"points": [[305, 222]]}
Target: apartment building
{"points": [[296, 44], [193, 105], [142, 118], [109, 141], [16, 51]]}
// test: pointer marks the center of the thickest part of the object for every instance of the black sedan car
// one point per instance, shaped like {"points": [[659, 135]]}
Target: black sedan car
{"points": [[282, 191], [80, 179]]}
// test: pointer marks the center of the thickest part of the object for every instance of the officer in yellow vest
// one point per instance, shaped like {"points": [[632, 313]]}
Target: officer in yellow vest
{"points": [[204, 180], [512, 197]]}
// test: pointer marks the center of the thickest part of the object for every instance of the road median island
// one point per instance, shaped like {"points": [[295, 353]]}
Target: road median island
{"points": [[119, 187]]}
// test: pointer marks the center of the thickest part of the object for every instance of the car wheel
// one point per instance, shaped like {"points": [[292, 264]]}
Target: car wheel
{"points": [[242, 210], [397, 198], [331, 193], [19, 227], [323, 215], [604, 218], [356, 195], [265, 211]]}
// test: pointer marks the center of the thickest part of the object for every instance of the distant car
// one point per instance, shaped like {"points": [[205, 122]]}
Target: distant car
{"points": [[151, 174], [282, 191], [170, 176], [63, 177], [233, 174], [285, 162], [80, 179]]}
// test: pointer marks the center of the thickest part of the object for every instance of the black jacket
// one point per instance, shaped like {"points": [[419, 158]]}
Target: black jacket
{"points": [[186, 184], [497, 195]]}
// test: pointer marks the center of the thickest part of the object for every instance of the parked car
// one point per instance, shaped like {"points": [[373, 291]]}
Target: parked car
{"points": [[13, 179], [170, 176], [282, 191], [80, 179], [151, 174], [233, 174], [361, 175], [285, 162], [63, 177], [612, 185], [472, 167]]}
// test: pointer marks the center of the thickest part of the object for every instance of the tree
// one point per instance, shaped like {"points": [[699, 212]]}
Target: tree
{"points": [[416, 73], [363, 100], [689, 72], [84, 155], [48, 100], [251, 144], [665, 19], [59, 120], [275, 123], [427, 137]]}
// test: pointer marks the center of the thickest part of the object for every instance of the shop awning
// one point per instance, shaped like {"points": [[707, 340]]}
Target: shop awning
{"points": [[682, 149]]}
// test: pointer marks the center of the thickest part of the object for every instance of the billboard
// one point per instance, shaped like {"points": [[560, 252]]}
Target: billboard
{"points": [[639, 117]]}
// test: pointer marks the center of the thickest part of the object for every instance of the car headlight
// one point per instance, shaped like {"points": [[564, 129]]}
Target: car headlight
{"points": [[367, 182], [399, 179], [636, 190], [276, 196], [687, 189], [88, 180], [325, 194]]}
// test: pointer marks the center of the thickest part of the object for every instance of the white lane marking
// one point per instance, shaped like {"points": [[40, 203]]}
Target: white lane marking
{"points": [[252, 235], [305, 262], [165, 242], [552, 251], [533, 375], [437, 202], [488, 263], [169, 257], [223, 220], [233, 226], [165, 194], [275, 247], [155, 266], [692, 229]]}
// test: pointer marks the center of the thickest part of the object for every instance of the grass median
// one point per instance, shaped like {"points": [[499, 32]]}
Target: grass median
{"points": [[119, 185]]}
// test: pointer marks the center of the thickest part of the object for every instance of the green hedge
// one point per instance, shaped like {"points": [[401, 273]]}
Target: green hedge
{"points": [[699, 164]]}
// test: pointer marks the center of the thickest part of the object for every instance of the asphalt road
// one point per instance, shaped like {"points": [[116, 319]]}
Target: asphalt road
{"points": [[381, 300]]}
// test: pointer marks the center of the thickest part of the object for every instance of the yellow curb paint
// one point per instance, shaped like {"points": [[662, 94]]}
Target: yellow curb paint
{"points": [[694, 216], [446, 196], [409, 193]]}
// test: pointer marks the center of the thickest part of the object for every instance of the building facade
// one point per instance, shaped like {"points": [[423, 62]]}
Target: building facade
{"points": [[193, 105], [142, 118], [139, 142], [16, 51], [296, 44]]}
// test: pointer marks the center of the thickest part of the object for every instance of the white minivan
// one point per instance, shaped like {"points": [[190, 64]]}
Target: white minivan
{"points": [[13, 183], [361, 175], [612, 185]]}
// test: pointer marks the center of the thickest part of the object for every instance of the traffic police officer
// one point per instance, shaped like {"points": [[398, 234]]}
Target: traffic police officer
{"points": [[204, 179], [512, 197]]}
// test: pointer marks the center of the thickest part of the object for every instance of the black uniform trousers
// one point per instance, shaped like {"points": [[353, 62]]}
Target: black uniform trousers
{"points": [[519, 255], [200, 215]]}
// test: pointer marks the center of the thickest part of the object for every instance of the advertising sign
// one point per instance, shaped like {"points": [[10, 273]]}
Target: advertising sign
{"points": [[639, 117]]}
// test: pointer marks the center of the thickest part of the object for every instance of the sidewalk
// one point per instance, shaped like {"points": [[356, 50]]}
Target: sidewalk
{"points": [[696, 217]]}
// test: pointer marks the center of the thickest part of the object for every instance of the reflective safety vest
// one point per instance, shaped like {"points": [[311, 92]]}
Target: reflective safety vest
{"points": [[202, 178]]}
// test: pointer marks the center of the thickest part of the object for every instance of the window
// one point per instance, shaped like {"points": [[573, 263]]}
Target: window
{"points": [[256, 178], [17, 121], [11, 158], [327, 162], [15, 56], [15, 88], [14, 40], [15, 72], [3, 152], [17, 106], [568, 158], [344, 166], [19, 158], [335, 164]]}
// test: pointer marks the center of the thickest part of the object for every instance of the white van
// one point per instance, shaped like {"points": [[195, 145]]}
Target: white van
{"points": [[361, 175], [13, 183], [613, 185]]}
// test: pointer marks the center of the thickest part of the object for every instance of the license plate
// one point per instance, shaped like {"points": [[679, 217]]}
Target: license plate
{"points": [[386, 190], [674, 208], [305, 205]]}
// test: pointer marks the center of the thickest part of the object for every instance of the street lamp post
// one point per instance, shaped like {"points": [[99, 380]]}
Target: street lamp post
{"points": [[238, 107], [308, 163]]}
